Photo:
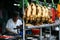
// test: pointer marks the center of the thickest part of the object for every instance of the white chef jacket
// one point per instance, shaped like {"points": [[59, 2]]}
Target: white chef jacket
{"points": [[11, 25]]}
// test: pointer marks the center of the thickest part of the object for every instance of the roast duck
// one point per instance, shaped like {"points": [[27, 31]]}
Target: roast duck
{"points": [[38, 13]]}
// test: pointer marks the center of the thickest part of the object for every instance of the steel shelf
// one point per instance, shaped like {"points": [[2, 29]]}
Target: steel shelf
{"points": [[44, 25], [57, 22]]}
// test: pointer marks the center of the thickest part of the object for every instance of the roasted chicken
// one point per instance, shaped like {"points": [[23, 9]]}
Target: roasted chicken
{"points": [[28, 10], [33, 9], [37, 13], [47, 14], [43, 13]]}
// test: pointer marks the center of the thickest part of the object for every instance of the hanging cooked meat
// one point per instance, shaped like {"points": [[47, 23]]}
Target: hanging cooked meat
{"points": [[28, 10], [39, 11], [50, 13], [26, 17], [25, 13], [43, 9], [33, 9], [47, 13], [43, 14]]}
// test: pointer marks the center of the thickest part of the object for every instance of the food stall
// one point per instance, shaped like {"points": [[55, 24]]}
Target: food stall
{"points": [[41, 19], [38, 18]]}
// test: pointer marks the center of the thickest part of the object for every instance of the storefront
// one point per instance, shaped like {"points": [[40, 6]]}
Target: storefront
{"points": [[40, 19]]}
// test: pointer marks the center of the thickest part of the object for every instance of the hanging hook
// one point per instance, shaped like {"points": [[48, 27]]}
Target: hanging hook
{"points": [[53, 2], [45, 1], [59, 1], [37, 1]]}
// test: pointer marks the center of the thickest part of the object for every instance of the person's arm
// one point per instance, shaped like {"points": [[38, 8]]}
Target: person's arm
{"points": [[19, 24], [10, 31], [8, 28]]}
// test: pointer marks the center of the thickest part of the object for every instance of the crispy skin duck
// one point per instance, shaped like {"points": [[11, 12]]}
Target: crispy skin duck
{"points": [[33, 9], [39, 11], [28, 10]]}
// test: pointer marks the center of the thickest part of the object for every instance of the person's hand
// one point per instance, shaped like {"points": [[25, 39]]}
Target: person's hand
{"points": [[14, 32], [21, 26], [18, 27]]}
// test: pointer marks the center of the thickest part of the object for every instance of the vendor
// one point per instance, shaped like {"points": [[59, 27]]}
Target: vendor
{"points": [[13, 23]]}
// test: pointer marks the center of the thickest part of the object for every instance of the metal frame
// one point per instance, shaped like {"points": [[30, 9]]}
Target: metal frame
{"points": [[49, 25], [40, 33], [41, 26], [59, 32], [23, 23]]}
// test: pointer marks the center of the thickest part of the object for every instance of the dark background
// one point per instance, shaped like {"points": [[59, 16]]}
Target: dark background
{"points": [[8, 7], [8, 3]]}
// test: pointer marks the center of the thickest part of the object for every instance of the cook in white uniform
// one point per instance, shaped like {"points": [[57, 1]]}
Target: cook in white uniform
{"points": [[13, 23]]}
